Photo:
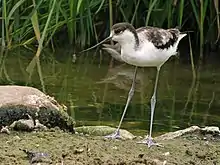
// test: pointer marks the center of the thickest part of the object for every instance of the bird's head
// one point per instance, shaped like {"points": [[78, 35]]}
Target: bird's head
{"points": [[122, 32]]}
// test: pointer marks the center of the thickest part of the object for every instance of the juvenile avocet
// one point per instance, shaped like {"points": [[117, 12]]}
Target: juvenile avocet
{"points": [[143, 47]]}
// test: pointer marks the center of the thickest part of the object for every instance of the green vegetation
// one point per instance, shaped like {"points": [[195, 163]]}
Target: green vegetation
{"points": [[81, 22]]}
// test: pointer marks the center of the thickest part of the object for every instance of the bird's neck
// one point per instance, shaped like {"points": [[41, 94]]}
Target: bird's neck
{"points": [[136, 39], [129, 48], [130, 43]]}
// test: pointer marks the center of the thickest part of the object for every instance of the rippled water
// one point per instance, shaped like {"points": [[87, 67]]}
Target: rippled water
{"points": [[96, 93]]}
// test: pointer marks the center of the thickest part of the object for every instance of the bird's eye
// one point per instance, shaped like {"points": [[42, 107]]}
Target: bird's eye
{"points": [[118, 31]]}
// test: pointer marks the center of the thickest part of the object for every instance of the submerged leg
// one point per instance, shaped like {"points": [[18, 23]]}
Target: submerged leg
{"points": [[149, 139], [116, 134]]}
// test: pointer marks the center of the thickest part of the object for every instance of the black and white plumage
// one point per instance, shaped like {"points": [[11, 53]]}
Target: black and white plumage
{"points": [[146, 46], [161, 38], [143, 47]]}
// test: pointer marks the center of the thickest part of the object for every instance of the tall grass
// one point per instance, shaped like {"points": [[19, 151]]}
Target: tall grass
{"points": [[82, 22]]}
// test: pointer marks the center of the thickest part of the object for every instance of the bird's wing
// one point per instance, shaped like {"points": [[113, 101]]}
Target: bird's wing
{"points": [[116, 46], [161, 38], [114, 51]]}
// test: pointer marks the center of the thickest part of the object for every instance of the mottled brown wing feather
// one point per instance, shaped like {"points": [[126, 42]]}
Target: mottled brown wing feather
{"points": [[161, 38]]}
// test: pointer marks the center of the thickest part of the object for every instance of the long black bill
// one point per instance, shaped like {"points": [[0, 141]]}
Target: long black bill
{"points": [[108, 38]]}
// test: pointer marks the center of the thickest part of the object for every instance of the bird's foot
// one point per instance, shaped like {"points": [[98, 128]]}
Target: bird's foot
{"points": [[114, 135], [149, 142]]}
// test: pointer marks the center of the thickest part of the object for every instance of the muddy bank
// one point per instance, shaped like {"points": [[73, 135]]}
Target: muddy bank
{"points": [[75, 149]]}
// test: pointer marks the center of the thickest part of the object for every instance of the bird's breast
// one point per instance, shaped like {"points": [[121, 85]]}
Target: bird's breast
{"points": [[146, 56]]}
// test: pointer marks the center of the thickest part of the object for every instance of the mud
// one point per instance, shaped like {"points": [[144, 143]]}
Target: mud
{"points": [[59, 147]]}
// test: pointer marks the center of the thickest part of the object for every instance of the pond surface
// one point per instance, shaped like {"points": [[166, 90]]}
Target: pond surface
{"points": [[96, 93]]}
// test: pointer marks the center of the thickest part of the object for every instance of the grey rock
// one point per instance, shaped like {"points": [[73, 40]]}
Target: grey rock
{"points": [[19, 103], [172, 135], [211, 130], [103, 130]]}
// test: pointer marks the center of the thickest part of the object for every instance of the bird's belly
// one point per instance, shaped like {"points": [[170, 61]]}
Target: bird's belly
{"points": [[146, 60]]}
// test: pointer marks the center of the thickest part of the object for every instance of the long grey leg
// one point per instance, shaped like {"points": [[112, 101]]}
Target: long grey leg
{"points": [[149, 140], [130, 95], [153, 102]]}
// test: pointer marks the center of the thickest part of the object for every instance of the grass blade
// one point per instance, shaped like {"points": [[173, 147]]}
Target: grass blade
{"points": [[135, 11], [17, 5], [78, 6], [35, 23], [4, 10], [216, 3], [40, 46], [181, 8], [100, 6], [195, 12], [151, 6]]}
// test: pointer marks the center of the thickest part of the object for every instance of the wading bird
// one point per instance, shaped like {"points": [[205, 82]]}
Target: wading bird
{"points": [[143, 47]]}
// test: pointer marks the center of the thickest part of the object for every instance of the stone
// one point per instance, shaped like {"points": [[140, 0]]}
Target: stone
{"points": [[104, 130], [172, 135], [22, 102], [211, 130]]}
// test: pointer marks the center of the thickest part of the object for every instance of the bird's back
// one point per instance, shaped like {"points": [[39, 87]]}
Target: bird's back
{"points": [[161, 38]]}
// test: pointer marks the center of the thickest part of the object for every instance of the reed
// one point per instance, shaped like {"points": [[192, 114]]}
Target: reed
{"points": [[84, 21]]}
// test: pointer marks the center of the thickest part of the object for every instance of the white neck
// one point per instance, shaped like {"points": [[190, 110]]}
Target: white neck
{"points": [[128, 48], [126, 40]]}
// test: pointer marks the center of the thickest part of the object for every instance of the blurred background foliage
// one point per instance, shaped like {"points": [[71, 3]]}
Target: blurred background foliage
{"points": [[81, 23]]}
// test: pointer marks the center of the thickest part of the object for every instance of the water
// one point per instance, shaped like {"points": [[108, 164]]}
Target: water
{"points": [[96, 94]]}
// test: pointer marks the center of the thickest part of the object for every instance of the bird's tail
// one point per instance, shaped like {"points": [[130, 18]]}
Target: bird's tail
{"points": [[182, 35]]}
